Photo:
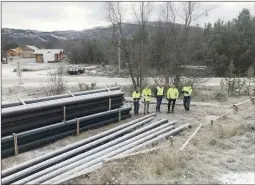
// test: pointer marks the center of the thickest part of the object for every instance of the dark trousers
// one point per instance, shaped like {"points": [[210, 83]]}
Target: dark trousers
{"points": [[169, 104], [136, 107], [186, 102], [159, 100], [146, 106]]}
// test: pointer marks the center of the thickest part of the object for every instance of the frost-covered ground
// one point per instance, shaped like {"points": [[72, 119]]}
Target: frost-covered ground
{"points": [[39, 76], [222, 154]]}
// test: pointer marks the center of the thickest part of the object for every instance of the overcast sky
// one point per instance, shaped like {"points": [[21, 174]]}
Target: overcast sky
{"points": [[50, 16]]}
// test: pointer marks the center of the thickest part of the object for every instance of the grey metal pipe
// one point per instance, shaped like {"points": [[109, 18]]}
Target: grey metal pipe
{"points": [[70, 147], [63, 156], [100, 164], [163, 136], [35, 100], [86, 157], [59, 102], [112, 151]]}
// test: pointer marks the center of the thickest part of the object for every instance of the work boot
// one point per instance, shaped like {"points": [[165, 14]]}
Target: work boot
{"points": [[168, 111]]}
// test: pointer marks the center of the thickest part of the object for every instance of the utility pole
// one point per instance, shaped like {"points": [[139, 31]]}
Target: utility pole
{"points": [[119, 51]]}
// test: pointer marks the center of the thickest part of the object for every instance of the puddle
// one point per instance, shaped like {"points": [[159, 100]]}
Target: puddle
{"points": [[238, 178]]}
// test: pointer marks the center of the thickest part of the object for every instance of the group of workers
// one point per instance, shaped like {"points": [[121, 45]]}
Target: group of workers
{"points": [[171, 95]]}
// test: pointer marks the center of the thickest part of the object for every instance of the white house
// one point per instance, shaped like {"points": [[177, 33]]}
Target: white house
{"points": [[48, 55]]}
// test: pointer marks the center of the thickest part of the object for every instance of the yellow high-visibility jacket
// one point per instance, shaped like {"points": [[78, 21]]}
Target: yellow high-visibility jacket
{"points": [[147, 94], [160, 91], [187, 90], [172, 93], [135, 95]]}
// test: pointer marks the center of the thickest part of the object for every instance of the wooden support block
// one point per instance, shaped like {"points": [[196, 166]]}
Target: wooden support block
{"points": [[194, 133], [235, 108], [64, 113], [110, 103], [78, 126], [71, 93], [21, 101], [16, 149], [238, 104], [107, 88], [172, 140], [119, 115]]}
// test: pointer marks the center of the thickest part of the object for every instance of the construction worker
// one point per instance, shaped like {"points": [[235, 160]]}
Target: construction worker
{"points": [[159, 94], [172, 95], [186, 90], [146, 93], [136, 97]]}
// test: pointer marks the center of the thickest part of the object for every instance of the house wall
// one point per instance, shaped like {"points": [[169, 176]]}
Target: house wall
{"points": [[61, 55], [39, 58], [48, 57], [13, 53], [27, 52]]}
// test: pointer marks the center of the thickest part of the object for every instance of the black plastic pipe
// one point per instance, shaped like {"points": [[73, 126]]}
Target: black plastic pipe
{"points": [[36, 100]]}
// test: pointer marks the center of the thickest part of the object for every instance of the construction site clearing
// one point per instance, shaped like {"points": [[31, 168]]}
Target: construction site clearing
{"points": [[215, 143]]}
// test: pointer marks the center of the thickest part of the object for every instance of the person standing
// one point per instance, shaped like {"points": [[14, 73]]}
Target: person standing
{"points": [[136, 97], [146, 93], [159, 94], [187, 90], [172, 95]]}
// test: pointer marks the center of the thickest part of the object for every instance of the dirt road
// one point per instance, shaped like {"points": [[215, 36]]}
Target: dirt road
{"points": [[39, 78]]}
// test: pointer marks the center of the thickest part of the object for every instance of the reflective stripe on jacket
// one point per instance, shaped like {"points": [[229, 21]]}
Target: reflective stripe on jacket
{"points": [[147, 94], [160, 91], [172, 93], [136, 95], [187, 90]]}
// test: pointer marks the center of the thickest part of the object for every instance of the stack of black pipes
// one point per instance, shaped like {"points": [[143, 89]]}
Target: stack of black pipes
{"points": [[39, 123], [36, 100]]}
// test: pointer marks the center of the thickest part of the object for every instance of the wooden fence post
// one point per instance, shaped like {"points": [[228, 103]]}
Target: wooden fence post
{"points": [[172, 140], [78, 126], [110, 103], [16, 149], [211, 122], [64, 113], [253, 100], [119, 115]]}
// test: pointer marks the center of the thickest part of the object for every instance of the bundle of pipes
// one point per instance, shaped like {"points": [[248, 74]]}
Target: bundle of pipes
{"points": [[34, 138], [36, 100], [91, 152], [30, 116]]}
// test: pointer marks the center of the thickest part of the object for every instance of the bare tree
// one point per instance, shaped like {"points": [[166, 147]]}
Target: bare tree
{"points": [[56, 84], [119, 38], [134, 49], [178, 43], [142, 12]]}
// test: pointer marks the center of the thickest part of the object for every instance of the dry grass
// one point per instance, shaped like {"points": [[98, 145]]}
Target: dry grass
{"points": [[227, 146], [213, 151]]}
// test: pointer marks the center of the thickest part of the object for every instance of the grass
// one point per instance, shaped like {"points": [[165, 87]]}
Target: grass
{"points": [[213, 151]]}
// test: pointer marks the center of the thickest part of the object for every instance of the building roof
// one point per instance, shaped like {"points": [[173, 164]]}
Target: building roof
{"points": [[46, 51], [32, 47], [14, 50]]}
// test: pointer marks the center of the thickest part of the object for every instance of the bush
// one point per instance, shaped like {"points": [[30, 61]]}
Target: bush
{"points": [[85, 87], [221, 97], [56, 84]]}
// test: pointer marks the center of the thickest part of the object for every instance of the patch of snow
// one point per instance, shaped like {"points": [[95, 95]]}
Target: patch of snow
{"points": [[238, 178]]}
